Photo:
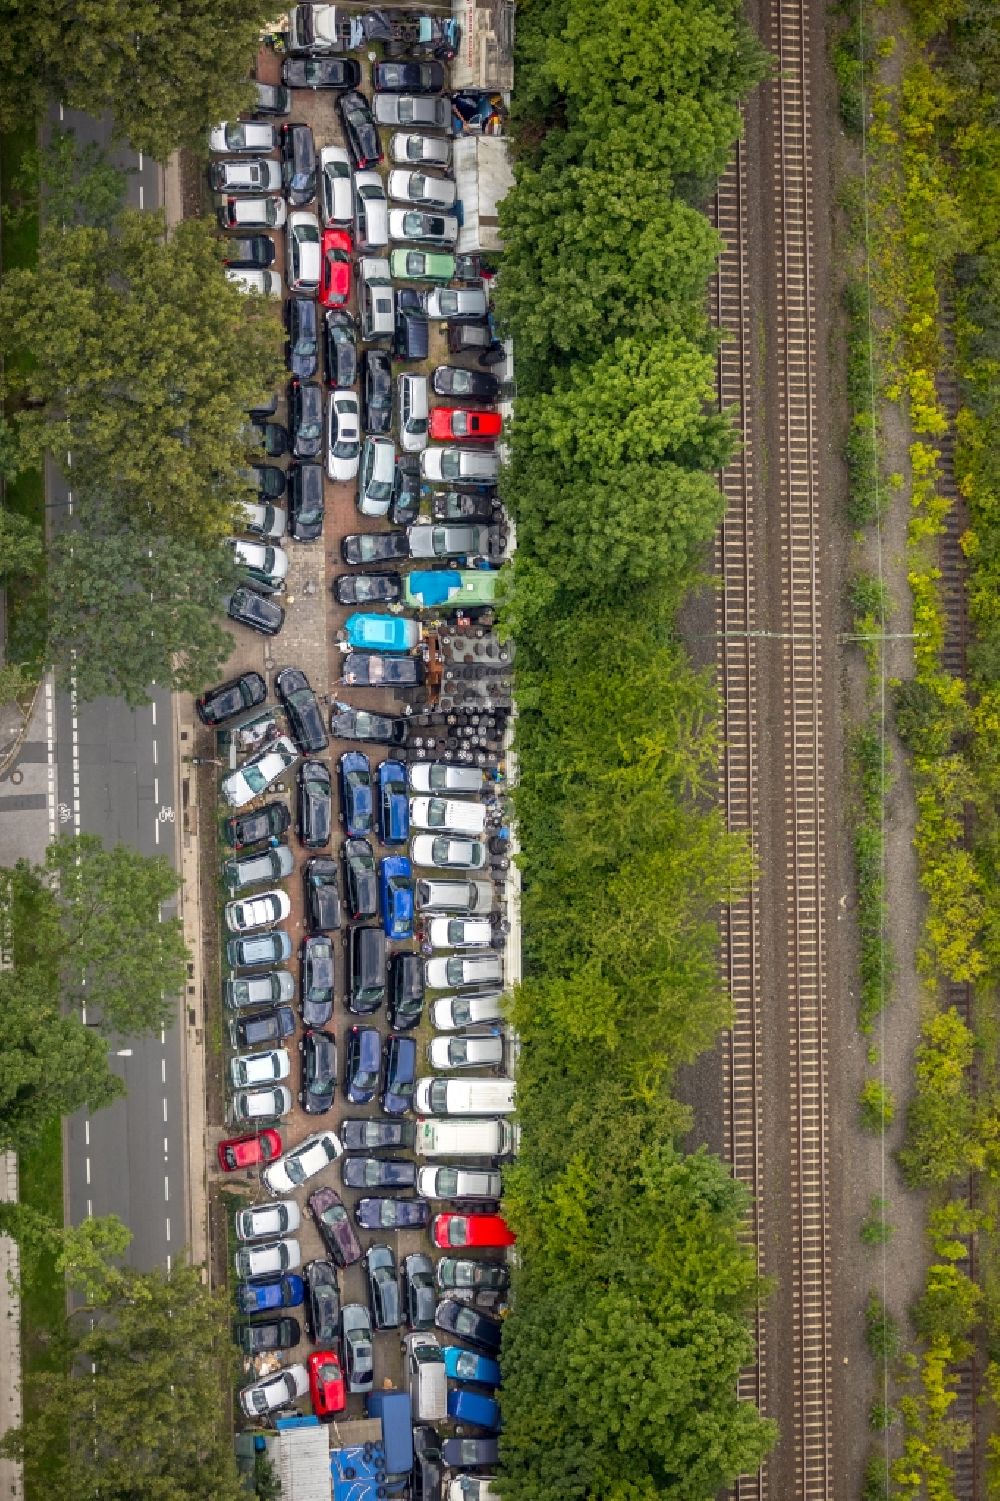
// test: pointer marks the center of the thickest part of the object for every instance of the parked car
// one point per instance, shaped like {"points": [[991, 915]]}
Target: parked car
{"points": [[354, 775], [453, 506], [464, 424], [378, 1172], [377, 389], [317, 969], [272, 99], [375, 477], [466, 1406], [458, 1183], [457, 970], [261, 1398], [267, 283], [268, 1221], [431, 541], [459, 466], [301, 1163], [267, 1258], [463, 304], [271, 1103], [359, 130], [365, 954], [359, 724], [421, 265], [454, 1011], [252, 212], [343, 435], [249, 175], [361, 1065], [412, 110], [418, 1290], [470, 1453], [335, 269], [475, 1328], [241, 1152], [319, 1071], [440, 777], [265, 566], [305, 501], [263, 1294], [258, 949], [302, 242], [322, 894], [249, 608], [466, 1365], [481, 1231], [448, 815], [399, 1074], [447, 852], [411, 336], [413, 149], [358, 1354], [383, 1287], [408, 76], [360, 884], [423, 226], [321, 72], [465, 1052], [267, 523], [298, 163], [263, 911], [336, 190], [302, 347], [425, 189], [466, 385], [478, 339], [371, 212], [375, 632], [269, 822], [340, 351], [374, 547], [376, 670], [322, 1301], [326, 1384], [460, 932], [393, 805], [376, 298], [305, 406], [262, 1028], [391, 1214], [230, 698], [396, 896], [406, 991], [376, 1136], [335, 1228], [412, 407], [259, 990], [302, 708], [461, 1273], [315, 805], [462, 897], [267, 479]]}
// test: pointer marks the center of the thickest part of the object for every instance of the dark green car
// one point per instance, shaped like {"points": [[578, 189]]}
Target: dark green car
{"points": [[267, 1334]]}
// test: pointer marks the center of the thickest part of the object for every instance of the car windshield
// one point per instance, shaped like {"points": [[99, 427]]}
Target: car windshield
{"points": [[458, 1051], [365, 1078], [271, 210], [255, 778], [447, 1180], [307, 234], [437, 810], [465, 1365]]}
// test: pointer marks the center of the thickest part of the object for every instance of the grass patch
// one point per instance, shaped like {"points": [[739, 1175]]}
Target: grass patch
{"points": [[43, 1291]]}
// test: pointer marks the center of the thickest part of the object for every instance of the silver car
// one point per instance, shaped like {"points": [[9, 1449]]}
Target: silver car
{"points": [[418, 111], [422, 188], [411, 149], [371, 212], [343, 435], [269, 1067], [269, 989], [243, 135], [465, 1052], [457, 1182], [254, 174], [459, 466], [254, 870], [428, 541], [423, 227], [273, 1392], [376, 476], [268, 1221], [336, 193], [456, 302], [251, 1105]]}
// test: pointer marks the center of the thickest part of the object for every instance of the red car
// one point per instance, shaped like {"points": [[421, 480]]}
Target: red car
{"points": [[447, 423], [249, 1151], [335, 268], [471, 1230], [326, 1383]]}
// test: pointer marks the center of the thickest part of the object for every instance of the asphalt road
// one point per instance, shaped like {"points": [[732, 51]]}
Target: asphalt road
{"points": [[116, 778]]}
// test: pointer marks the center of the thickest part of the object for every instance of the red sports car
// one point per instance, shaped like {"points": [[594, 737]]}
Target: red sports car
{"points": [[326, 1383], [335, 268], [447, 423], [249, 1151], [471, 1230]]}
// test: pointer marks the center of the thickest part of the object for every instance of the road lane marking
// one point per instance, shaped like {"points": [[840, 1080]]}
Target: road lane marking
{"points": [[163, 1071], [168, 1237], [88, 1171], [166, 1190], [50, 753], [86, 1132], [164, 1110]]}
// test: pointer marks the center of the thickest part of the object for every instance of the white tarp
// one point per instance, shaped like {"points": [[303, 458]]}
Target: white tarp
{"points": [[484, 177]]}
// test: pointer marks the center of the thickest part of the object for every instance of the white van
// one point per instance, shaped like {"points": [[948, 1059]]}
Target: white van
{"points": [[468, 1138], [464, 1096], [427, 1380], [453, 815]]}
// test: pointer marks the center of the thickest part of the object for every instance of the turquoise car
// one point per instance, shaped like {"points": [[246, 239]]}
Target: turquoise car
{"points": [[450, 588], [381, 632], [466, 1365]]}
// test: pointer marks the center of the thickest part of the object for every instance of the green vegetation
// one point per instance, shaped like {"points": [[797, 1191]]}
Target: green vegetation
{"points": [[627, 1243], [877, 1106], [882, 1331]]}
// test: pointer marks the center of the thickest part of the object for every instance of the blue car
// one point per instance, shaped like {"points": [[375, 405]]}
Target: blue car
{"points": [[396, 886], [355, 779], [361, 1070], [466, 1365], [381, 632], [400, 1075], [265, 1293], [465, 1406], [393, 803]]}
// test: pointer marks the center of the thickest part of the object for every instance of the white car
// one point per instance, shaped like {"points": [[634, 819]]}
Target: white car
{"points": [[371, 211], [343, 434], [454, 1011], [266, 521], [251, 1106], [422, 226], [465, 540], [268, 1067], [302, 244], [473, 1488], [456, 970], [456, 302], [275, 1391], [303, 1162], [251, 912], [457, 1182], [377, 475], [251, 213], [271, 562], [417, 150], [451, 465], [268, 1221], [411, 404], [251, 174], [461, 897], [439, 776], [236, 136], [451, 815], [336, 192], [447, 852], [254, 777], [465, 1052], [267, 283], [459, 932], [421, 188], [419, 110]]}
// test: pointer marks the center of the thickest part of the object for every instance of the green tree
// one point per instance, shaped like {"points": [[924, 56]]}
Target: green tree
{"points": [[143, 363], [161, 70], [22, 546], [129, 606], [941, 1119], [85, 1254], [136, 1409], [77, 179]]}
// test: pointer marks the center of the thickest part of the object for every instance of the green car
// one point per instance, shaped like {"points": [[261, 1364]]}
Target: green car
{"points": [[450, 588], [421, 265]]}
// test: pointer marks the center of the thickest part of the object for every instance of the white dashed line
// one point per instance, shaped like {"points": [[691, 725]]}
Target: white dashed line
{"points": [[166, 1191], [168, 1237], [87, 1164], [163, 1071], [86, 1132], [90, 1209], [153, 706], [166, 1146], [156, 789], [156, 754], [164, 1111], [141, 204]]}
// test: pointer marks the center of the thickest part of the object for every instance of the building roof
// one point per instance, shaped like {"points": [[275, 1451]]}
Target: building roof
{"points": [[300, 1455]]}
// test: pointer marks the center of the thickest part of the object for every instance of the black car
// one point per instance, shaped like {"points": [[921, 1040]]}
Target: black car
{"points": [[407, 76], [247, 607], [470, 1453], [462, 1272], [399, 1075], [367, 588], [315, 804], [374, 547], [354, 776], [249, 252], [298, 164], [361, 1065], [306, 504], [376, 1136], [305, 407], [272, 99], [232, 697], [458, 505], [378, 1172], [427, 1483], [322, 1303], [465, 385], [357, 724], [360, 131], [322, 894], [360, 884], [321, 72], [376, 392], [262, 1029], [269, 822], [383, 1287], [302, 708], [375, 669], [392, 1214], [334, 1226], [410, 341], [317, 980], [405, 505], [418, 1290], [340, 348], [365, 964], [271, 436], [302, 348], [267, 1334], [406, 991], [319, 1071], [266, 479], [475, 1328]]}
